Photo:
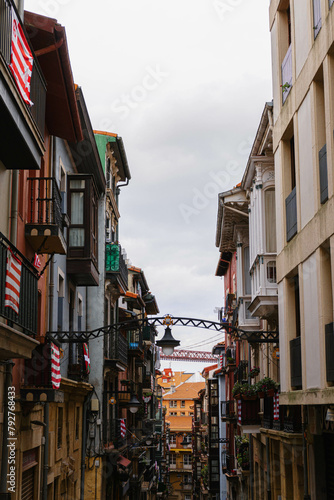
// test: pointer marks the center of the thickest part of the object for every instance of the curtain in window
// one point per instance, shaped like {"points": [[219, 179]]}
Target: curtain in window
{"points": [[270, 215], [77, 235]]}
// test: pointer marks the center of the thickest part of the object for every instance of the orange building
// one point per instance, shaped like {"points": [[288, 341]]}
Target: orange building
{"points": [[169, 378], [179, 413]]}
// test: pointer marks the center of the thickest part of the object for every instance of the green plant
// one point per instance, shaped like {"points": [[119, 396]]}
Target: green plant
{"points": [[248, 390], [236, 388], [230, 360], [254, 371], [242, 449], [285, 87], [204, 474], [265, 384]]}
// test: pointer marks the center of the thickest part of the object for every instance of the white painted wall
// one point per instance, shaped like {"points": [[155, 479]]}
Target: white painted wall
{"points": [[302, 29], [306, 168], [280, 222], [311, 323]]}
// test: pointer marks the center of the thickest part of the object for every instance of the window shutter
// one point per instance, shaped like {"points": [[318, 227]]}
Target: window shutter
{"points": [[323, 174], [329, 335], [296, 362], [291, 215]]}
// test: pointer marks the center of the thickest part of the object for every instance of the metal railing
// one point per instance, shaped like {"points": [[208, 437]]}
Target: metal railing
{"points": [[116, 347], [228, 409], [135, 340], [45, 201], [241, 372], [37, 84], [115, 262], [230, 464], [27, 316], [76, 366]]}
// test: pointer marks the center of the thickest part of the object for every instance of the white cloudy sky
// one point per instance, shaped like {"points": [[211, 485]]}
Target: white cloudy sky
{"points": [[184, 83]]}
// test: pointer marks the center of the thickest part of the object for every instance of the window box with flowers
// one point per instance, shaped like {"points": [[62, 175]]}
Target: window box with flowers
{"points": [[266, 387], [254, 372]]}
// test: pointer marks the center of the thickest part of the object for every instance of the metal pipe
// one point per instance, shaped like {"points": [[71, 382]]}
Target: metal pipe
{"points": [[83, 449], [46, 451], [4, 455], [268, 469]]}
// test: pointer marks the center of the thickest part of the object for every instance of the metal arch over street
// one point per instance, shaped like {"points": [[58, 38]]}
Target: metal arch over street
{"points": [[256, 336]]}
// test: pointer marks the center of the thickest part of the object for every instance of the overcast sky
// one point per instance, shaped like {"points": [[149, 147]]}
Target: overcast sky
{"points": [[184, 84]]}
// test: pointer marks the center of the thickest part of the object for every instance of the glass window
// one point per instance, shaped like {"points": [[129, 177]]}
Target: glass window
{"points": [[270, 216], [271, 271], [172, 404], [247, 278], [183, 404], [187, 459]]}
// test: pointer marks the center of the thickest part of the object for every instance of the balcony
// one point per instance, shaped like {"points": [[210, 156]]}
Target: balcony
{"points": [[135, 342], [76, 367], [264, 302], [44, 229], [16, 330], [22, 126], [241, 372], [115, 351], [248, 411], [286, 74], [116, 268], [37, 383], [228, 410], [296, 363]]}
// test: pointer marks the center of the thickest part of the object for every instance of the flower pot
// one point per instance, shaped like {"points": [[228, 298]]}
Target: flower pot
{"points": [[261, 394], [237, 396], [270, 393], [249, 398]]}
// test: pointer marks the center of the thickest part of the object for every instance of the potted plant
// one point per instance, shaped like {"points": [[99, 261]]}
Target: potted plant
{"points": [[230, 361], [242, 449], [254, 371], [248, 391], [267, 386], [236, 391]]}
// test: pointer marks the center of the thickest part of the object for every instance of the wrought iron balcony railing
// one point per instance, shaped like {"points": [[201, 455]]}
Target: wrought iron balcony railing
{"points": [[135, 340], [241, 372], [27, 316], [76, 366], [115, 348], [37, 84]]}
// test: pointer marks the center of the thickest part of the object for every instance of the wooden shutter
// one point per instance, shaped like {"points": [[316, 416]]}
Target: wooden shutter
{"points": [[296, 362], [323, 174], [291, 215], [27, 491], [329, 335]]}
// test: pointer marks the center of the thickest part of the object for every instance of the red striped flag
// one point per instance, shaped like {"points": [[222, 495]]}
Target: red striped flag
{"points": [[123, 428], [55, 366], [21, 59], [13, 282], [86, 358], [37, 262]]}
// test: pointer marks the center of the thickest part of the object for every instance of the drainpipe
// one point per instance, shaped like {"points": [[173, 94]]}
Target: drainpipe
{"points": [[83, 449], [4, 455], [46, 451], [268, 470]]}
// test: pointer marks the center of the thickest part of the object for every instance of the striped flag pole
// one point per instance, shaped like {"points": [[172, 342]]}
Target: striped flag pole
{"points": [[55, 366]]}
